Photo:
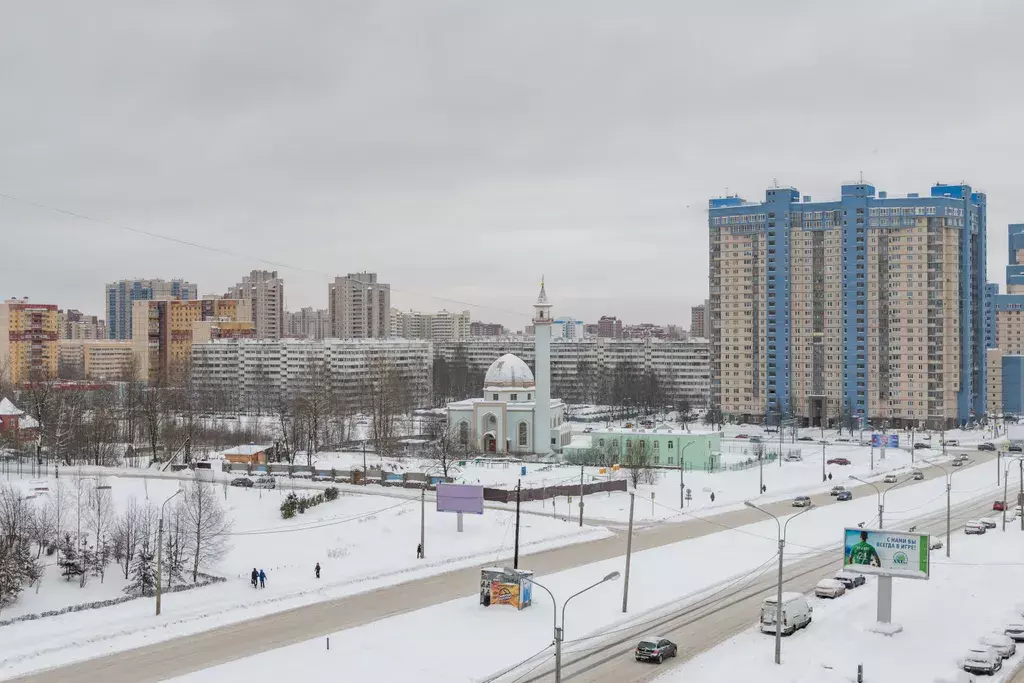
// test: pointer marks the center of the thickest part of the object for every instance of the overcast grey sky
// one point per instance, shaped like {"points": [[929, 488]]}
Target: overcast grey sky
{"points": [[462, 149]]}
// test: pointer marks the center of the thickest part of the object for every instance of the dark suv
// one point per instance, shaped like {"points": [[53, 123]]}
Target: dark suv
{"points": [[655, 649]]}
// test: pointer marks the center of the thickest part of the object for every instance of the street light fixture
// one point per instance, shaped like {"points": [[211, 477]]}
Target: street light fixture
{"points": [[160, 549], [778, 600], [881, 495], [560, 630], [949, 489]]}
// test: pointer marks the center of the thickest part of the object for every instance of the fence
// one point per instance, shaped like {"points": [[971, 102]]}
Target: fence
{"points": [[545, 492]]}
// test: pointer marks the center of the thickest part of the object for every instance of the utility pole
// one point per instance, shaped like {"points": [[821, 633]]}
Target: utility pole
{"points": [[515, 559], [999, 457], [823, 460], [629, 551], [364, 459], [423, 523], [160, 551], [581, 495]]}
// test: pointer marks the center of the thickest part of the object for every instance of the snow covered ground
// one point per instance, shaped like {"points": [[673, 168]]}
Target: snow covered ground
{"points": [[492, 639], [361, 542], [965, 599]]}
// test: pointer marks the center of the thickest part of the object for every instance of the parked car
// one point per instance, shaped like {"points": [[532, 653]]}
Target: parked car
{"points": [[1016, 448], [951, 442], [796, 613], [839, 461], [266, 482], [999, 505], [836, 490], [935, 545], [989, 523], [982, 659], [802, 502], [755, 439], [322, 477], [829, 588], [1015, 631], [742, 436], [655, 649], [889, 479], [974, 527], [918, 475], [986, 446], [845, 495], [1003, 644], [850, 579], [792, 457], [587, 430], [919, 445], [805, 438], [843, 439], [244, 482]]}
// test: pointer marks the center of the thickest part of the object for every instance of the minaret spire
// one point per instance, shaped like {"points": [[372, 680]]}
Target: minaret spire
{"points": [[543, 297]]}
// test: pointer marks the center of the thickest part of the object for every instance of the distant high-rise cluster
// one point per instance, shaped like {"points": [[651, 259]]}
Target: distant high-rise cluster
{"points": [[264, 291], [121, 295], [360, 307]]}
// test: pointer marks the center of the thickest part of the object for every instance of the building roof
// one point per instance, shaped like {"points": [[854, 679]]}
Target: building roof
{"points": [[8, 408], [251, 449], [509, 371]]}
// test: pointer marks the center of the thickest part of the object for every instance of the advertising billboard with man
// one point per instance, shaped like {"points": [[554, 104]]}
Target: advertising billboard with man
{"points": [[890, 553]]}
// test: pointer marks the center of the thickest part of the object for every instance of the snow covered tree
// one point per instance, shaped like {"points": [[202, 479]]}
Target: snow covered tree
{"points": [[69, 562], [206, 525], [174, 547], [10, 578], [143, 574]]}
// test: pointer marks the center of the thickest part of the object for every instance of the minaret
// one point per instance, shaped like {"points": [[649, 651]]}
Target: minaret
{"points": [[542, 372]]}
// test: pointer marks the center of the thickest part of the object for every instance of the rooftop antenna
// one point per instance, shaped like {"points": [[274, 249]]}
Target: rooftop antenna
{"points": [[775, 181], [862, 177]]}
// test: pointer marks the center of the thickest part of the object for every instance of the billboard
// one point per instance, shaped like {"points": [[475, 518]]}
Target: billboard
{"points": [[887, 440], [889, 553], [876, 440], [460, 498]]}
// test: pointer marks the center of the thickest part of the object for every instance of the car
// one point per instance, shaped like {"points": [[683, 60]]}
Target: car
{"points": [[935, 545], [982, 659], [918, 446], [845, 495], [805, 438], [266, 482], [755, 439], [951, 442], [792, 457], [889, 479], [1015, 631], [322, 476], [988, 523], [918, 475], [974, 528], [962, 457], [829, 588], [1002, 643], [802, 502], [243, 482], [999, 505], [1016, 448], [850, 579], [588, 430], [839, 461], [986, 446], [836, 490], [843, 439], [958, 463], [742, 436], [655, 649]]}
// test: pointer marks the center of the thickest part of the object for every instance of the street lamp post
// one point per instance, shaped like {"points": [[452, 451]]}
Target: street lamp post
{"points": [[1020, 497], [881, 496], [560, 630], [823, 444], [682, 463], [949, 490], [160, 549], [778, 599]]}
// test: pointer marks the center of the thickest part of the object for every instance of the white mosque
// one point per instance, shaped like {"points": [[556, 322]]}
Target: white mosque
{"points": [[516, 413]]}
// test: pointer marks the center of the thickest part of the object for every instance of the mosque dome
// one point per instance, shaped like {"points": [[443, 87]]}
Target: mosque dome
{"points": [[509, 371]]}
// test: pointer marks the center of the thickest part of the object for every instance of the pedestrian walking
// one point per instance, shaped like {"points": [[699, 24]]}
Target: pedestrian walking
{"points": [[263, 579], [419, 551], [318, 570], [712, 497], [763, 488], [254, 577], [830, 476]]}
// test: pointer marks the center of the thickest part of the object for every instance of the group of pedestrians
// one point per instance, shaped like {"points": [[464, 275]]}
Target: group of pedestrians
{"points": [[258, 579]]}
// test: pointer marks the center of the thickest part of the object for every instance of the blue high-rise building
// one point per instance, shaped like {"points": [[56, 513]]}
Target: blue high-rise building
{"points": [[120, 295], [868, 306]]}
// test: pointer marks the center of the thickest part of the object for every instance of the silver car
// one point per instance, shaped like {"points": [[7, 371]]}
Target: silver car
{"points": [[802, 502]]}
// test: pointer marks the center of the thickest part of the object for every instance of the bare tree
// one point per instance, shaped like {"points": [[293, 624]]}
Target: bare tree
{"points": [[152, 406], [384, 401], [174, 545], [446, 448], [313, 406], [59, 507], [638, 465], [206, 524], [129, 532], [98, 434]]}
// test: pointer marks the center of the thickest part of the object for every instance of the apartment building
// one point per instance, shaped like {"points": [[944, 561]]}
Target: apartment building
{"points": [[359, 306], [697, 326], [73, 324], [28, 341], [567, 328], [609, 326], [437, 327], [308, 323], [120, 296], [580, 366], [96, 359], [265, 292], [247, 374], [869, 305], [480, 329], [164, 331]]}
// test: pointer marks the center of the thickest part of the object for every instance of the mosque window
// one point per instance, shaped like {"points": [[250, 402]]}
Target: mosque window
{"points": [[514, 397], [494, 397], [522, 434]]}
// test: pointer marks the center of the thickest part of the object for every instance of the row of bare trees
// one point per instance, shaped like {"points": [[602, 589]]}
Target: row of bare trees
{"points": [[77, 524]]}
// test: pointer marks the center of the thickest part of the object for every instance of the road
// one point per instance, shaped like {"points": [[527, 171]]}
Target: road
{"points": [[700, 625], [186, 654]]}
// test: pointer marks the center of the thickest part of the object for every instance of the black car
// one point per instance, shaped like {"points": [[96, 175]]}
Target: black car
{"points": [[845, 495], [655, 649], [805, 438], [244, 482], [920, 445], [849, 579], [986, 446], [1015, 448]]}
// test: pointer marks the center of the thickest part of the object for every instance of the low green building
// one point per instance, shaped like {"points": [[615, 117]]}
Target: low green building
{"points": [[664, 446]]}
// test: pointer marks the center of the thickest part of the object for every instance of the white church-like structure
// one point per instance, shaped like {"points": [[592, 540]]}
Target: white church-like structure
{"points": [[516, 413]]}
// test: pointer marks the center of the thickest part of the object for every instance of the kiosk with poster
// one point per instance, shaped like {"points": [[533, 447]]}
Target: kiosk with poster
{"points": [[505, 586]]}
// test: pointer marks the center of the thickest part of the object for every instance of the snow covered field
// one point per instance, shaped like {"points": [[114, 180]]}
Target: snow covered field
{"points": [[661, 579], [361, 543]]}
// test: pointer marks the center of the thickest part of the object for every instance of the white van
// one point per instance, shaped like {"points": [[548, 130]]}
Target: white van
{"points": [[796, 613]]}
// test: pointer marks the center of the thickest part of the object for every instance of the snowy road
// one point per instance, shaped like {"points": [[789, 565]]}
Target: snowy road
{"points": [[187, 654], [704, 623]]}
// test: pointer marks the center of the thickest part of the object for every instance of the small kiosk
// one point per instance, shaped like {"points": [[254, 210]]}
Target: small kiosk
{"points": [[505, 586]]}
